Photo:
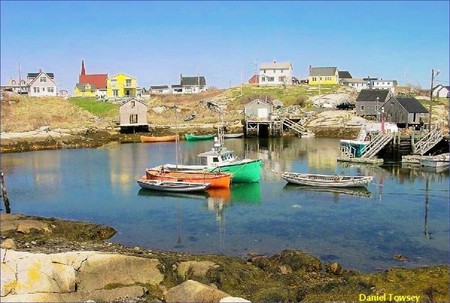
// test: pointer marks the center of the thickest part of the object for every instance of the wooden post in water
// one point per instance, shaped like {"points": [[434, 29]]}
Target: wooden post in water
{"points": [[4, 195]]}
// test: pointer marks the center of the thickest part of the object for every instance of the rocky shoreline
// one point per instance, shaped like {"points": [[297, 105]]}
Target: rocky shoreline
{"points": [[53, 260], [94, 138]]}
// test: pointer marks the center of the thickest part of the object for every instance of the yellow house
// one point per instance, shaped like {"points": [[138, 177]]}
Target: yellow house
{"points": [[121, 85], [85, 90], [323, 75]]}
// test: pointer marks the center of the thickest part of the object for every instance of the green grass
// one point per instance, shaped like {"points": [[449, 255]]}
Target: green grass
{"points": [[98, 108], [289, 96]]}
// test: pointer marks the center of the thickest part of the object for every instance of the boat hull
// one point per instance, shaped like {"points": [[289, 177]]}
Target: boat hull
{"points": [[172, 186], [191, 137], [441, 160], [150, 139], [242, 172], [326, 180], [216, 180]]}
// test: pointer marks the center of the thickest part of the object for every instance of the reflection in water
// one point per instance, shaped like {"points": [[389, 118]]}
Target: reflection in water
{"points": [[357, 191]]}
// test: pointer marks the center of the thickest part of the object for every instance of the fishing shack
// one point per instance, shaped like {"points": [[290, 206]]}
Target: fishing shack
{"points": [[133, 116], [260, 120]]}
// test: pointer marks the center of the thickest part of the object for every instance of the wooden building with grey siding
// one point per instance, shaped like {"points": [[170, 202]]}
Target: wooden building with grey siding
{"points": [[133, 116], [369, 102], [405, 111], [259, 120]]}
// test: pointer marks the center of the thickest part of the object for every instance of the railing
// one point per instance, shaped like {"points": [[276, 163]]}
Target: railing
{"points": [[376, 144], [428, 142], [294, 126]]}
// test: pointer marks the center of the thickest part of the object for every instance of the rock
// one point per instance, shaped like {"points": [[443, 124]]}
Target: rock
{"points": [[198, 269], [335, 268], [25, 226], [8, 244], [109, 270], [159, 109], [193, 291], [233, 300]]}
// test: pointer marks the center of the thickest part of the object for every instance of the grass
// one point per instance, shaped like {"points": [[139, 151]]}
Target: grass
{"points": [[97, 108]]}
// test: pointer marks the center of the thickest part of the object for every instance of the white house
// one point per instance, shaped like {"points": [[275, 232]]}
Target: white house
{"points": [[356, 83], [275, 73], [41, 84], [441, 91], [385, 84]]}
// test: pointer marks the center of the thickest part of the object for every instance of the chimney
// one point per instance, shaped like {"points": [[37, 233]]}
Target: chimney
{"points": [[83, 71], [181, 79]]}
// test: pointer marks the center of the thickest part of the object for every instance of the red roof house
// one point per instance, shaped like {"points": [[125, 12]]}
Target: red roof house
{"points": [[99, 80]]}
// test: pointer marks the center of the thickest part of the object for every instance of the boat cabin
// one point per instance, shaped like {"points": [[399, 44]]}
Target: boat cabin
{"points": [[217, 155]]}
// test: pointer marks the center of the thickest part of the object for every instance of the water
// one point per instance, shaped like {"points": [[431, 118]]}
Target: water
{"points": [[405, 211]]}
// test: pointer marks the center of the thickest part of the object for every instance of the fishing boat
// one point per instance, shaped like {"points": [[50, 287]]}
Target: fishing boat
{"points": [[319, 180], [441, 160], [216, 179], [172, 186], [150, 139], [192, 137], [221, 159]]}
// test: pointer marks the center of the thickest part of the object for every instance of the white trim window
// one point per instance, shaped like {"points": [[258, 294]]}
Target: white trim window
{"points": [[42, 79]]}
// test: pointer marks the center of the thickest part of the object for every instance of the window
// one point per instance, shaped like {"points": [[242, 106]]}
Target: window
{"points": [[43, 79], [13, 82], [133, 104], [36, 89], [314, 78], [215, 159], [128, 82], [115, 92], [113, 82], [270, 79], [43, 89], [50, 89], [263, 79], [133, 119], [281, 79], [362, 107]]}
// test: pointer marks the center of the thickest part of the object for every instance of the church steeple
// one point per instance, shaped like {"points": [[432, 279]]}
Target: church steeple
{"points": [[83, 71]]}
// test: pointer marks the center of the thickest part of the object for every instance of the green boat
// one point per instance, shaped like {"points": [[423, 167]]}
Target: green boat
{"points": [[192, 137], [224, 160]]}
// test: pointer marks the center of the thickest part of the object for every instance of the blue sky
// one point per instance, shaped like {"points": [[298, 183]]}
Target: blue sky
{"points": [[155, 42]]}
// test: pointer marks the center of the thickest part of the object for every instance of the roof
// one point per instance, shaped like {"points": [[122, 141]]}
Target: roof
{"points": [[98, 80], [130, 100], [34, 79], [82, 86], [354, 80], [412, 105], [322, 71], [159, 87], [176, 86], [372, 94], [199, 80], [276, 65], [34, 75], [344, 75]]}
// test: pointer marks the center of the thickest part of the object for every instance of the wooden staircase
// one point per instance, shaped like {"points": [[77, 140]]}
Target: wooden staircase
{"points": [[377, 144], [298, 128], [428, 142]]}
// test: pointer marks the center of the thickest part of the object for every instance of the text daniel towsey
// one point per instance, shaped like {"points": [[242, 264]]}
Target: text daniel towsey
{"points": [[388, 297]]}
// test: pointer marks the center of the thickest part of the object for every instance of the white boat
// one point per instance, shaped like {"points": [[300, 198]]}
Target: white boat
{"points": [[319, 180], [441, 160], [232, 136], [172, 186]]}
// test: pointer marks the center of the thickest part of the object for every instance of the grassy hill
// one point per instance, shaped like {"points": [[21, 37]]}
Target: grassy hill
{"points": [[27, 113]]}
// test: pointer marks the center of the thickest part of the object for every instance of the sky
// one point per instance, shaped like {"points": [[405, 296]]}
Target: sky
{"points": [[225, 41]]}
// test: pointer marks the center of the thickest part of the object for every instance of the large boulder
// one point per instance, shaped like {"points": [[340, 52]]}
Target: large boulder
{"points": [[195, 268], [193, 291]]}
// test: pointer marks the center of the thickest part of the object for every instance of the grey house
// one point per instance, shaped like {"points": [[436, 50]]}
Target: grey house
{"points": [[193, 85], [258, 110], [133, 114], [405, 111], [369, 102]]}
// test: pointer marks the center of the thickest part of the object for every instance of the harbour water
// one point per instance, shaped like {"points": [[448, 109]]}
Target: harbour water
{"points": [[404, 211]]}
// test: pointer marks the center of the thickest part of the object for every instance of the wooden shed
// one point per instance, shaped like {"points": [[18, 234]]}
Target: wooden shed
{"points": [[405, 111], [258, 110], [133, 115], [369, 102]]}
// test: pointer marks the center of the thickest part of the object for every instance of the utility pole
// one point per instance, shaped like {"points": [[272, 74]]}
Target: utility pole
{"points": [[433, 75]]}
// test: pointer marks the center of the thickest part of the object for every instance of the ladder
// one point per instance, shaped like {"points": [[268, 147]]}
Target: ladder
{"points": [[428, 142], [376, 144]]}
